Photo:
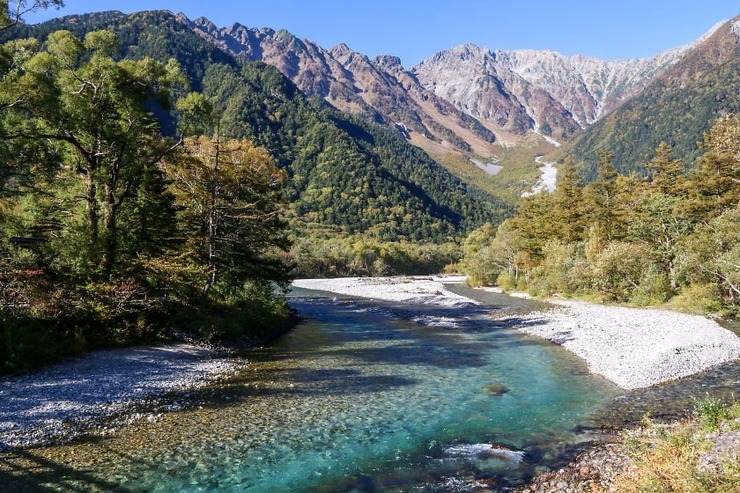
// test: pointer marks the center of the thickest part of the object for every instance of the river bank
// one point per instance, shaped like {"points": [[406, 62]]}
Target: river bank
{"points": [[456, 353], [102, 391], [634, 348]]}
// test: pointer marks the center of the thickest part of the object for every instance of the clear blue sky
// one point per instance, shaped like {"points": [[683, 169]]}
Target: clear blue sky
{"points": [[414, 30]]}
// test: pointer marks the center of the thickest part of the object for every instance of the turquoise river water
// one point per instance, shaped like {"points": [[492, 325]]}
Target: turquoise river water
{"points": [[361, 396]]}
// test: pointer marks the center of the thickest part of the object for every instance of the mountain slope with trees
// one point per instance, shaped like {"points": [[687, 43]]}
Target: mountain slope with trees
{"points": [[345, 174], [676, 108]]}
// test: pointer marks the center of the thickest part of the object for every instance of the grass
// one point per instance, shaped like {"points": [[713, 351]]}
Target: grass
{"points": [[672, 458], [519, 171]]}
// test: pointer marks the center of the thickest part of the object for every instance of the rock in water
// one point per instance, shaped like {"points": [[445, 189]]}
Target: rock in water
{"points": [[484, 451], [496, 389]]}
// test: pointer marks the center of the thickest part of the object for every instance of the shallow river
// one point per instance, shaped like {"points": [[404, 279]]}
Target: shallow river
{"points": [[362, 396]]}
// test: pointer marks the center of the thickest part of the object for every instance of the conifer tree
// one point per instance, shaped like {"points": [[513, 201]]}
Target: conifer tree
{"points": [[569, 206], [602, 194], [667, 174]]}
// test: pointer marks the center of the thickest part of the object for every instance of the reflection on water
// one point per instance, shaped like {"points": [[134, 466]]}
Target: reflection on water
{"points": [[358, 398]]}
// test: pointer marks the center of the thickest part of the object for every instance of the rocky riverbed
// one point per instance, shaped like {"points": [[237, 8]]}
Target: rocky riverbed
{"points": [[102, 391], [635, 348]]}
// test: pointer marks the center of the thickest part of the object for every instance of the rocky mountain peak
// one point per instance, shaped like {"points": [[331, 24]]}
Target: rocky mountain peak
{"points": [[465, 89], [735, 27], [388, 62]]}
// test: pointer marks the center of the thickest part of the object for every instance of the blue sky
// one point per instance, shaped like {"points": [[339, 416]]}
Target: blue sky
{"points": [[414, 30]]}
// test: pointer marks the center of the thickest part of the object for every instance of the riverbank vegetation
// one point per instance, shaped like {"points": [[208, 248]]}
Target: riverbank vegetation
{"points": [[696, 455], [114, 233], [669, 236], [360, 255], [131, 207]]}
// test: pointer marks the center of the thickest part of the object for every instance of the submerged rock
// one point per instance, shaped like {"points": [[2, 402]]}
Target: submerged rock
{"points": [[496, 389]]}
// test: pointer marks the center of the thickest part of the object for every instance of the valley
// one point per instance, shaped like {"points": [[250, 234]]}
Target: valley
{"points": [[236, 259]]}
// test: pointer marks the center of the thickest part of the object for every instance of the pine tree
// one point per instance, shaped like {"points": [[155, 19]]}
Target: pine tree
{"points": [[604, 210], [667, 174], [569, 203]]}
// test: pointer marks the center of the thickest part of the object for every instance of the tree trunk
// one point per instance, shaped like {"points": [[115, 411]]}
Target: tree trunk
{"points": [[212, 227], [110, 233], [92, 209]]}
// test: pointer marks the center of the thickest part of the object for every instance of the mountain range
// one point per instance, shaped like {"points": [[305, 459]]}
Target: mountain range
{"points": [[467, 97], [489, 113]]}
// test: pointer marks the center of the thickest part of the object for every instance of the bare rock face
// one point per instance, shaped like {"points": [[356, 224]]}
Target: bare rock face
{"points": [[466, 76], [460, 97], [542, 91], [352, 82]]}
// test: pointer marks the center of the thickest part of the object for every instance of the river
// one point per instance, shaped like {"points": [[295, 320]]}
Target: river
{"points": [[361, 396]]}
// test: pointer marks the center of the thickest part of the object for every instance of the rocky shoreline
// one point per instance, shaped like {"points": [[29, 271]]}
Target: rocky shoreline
{"points": [[634, 348], [104, 390]]}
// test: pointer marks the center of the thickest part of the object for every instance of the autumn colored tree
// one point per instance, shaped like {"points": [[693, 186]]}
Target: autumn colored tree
{"points": [[231, 198]]}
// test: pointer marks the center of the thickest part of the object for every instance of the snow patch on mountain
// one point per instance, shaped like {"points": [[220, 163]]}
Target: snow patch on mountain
{"points": [[547, 180]]}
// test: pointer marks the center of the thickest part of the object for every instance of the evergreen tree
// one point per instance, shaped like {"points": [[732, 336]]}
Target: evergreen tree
{"points": [[667, 173], [231, 198], [569, 203], [602, 194]]}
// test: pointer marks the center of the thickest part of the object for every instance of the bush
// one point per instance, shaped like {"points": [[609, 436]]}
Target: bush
{"points": [[618, 270], [711, 412], [653, 289], [506, 281], [697, 298]]}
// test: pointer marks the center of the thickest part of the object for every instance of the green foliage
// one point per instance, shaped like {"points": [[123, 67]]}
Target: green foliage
{"points": [[99, 246], [627, 239], [362, 256], [711, 412]]}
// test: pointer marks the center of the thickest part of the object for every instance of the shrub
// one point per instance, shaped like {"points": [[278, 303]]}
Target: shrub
{"points": [[697, 298], [653, 289], [711, 412], [619, 269]]}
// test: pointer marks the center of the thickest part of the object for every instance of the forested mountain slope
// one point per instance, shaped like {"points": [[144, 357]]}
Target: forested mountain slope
{"points": [[346, 174], [676, 108]]}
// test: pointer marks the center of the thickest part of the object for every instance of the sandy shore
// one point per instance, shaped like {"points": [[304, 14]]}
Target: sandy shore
{"points": [[62, 401], [633, 348]]}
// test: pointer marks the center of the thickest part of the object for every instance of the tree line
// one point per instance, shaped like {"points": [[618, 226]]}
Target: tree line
{"points": [[626, 238], [112, 231]]}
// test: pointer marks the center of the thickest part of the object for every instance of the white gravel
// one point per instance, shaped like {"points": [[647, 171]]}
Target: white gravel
{"points": [[62, 401], [632, 347], [416, 289]]}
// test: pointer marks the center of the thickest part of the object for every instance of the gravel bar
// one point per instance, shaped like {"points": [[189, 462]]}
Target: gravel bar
{"points": [[632, 347], [65, 400]]}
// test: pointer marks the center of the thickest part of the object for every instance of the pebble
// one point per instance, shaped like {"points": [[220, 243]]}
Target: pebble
{"points": [[635, 348], [101, 390]]}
